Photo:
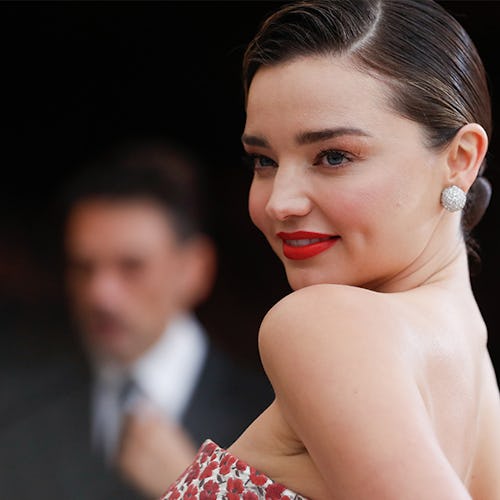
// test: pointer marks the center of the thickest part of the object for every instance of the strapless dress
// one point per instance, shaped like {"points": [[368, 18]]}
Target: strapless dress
{"points": [[215, 474]]}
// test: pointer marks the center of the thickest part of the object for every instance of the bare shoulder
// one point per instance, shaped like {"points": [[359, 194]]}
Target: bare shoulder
{"points": [[328, 317], [343, 366], [321, 301], [335, 333]]}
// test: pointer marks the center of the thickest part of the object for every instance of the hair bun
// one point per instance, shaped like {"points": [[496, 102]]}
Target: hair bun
{"points": [[478, 199]]}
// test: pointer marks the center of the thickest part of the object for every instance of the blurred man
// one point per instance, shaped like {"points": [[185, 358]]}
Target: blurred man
{"points": [[138, 263]]}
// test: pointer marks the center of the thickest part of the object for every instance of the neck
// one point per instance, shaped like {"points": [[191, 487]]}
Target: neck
{"points": [[440, 264]]}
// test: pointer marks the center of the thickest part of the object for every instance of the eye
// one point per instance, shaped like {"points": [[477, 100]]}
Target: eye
{"points": [[332, 158], [131, 266], [256, 161]]}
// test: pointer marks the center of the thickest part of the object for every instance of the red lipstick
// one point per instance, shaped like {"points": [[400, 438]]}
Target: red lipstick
{"points": [[301, 245]]}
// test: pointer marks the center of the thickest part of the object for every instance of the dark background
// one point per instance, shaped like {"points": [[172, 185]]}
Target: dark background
{"points": [[78, 76]]}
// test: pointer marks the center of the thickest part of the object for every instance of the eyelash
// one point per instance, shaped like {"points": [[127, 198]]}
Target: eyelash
{"points": [[345, 157], [250, 159]]}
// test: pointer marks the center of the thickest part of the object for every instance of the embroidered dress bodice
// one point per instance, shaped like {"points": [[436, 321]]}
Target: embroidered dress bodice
{"points": [[217, 474]]}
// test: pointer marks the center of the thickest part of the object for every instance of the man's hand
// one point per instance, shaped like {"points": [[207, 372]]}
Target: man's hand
{"points": [[153, 451]]}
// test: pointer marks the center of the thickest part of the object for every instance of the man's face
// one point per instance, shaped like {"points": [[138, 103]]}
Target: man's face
{"points": [[124, 275]]}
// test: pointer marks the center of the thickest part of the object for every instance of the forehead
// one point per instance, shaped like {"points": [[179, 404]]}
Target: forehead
{"points": [[117, 225], [316, 89]]}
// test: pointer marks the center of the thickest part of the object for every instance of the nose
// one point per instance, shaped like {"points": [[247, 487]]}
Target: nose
{"points": [[289, 196], [102, 288]]}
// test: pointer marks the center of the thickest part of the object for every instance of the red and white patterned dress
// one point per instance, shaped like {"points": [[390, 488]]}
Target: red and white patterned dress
{"points": [[215, 474]]}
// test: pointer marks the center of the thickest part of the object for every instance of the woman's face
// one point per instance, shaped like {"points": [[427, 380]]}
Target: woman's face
{"points": [[345, 190]]}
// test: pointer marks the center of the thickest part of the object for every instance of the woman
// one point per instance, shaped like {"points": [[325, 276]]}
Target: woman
{"points": [[367, 126]]}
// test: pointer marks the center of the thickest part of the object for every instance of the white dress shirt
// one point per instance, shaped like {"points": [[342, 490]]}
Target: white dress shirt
{"points": [[166, 376]]}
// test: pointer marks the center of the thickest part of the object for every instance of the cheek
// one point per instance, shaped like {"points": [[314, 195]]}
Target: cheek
{"points": [[351, 209], [150, 302], [386, 194], [162, 282], [148, 287], [257, 202]]}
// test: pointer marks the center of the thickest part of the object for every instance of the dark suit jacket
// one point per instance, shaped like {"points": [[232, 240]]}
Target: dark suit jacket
{"points": [[45, 427]]}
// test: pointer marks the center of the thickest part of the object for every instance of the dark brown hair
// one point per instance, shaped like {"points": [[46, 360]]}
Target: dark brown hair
{"points": [[415, 46], [165, 173]]}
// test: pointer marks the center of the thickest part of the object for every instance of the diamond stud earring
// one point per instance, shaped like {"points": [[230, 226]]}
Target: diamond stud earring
{"points": [[453, 198]]}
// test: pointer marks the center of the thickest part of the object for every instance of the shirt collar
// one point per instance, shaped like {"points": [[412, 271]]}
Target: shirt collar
{"points": [[168, 372]]}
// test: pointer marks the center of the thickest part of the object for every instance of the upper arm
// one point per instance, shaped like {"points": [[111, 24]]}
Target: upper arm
{"points": [[343, 380]]}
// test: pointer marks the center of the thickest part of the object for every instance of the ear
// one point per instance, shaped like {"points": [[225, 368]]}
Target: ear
{"points": [[465, 155], [198, 270]]}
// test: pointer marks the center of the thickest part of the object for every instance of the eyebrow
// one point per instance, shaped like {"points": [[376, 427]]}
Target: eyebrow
{"points": [[308, 137]]}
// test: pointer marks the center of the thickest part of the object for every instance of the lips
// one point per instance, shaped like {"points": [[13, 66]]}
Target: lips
{"points": [[302, 245]]}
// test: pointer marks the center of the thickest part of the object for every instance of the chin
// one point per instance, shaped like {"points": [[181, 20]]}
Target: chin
{"points": [[116, 351], [298, 279]]}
